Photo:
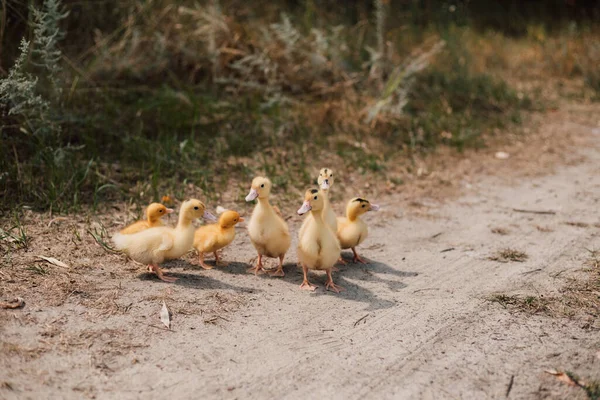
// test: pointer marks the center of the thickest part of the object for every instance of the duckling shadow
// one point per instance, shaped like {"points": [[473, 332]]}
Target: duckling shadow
{"points": [[196, 281], [350, 278], [373, 271]]}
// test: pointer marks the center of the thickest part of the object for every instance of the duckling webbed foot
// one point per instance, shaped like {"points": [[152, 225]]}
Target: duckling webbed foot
{"points": [[202, 263], [279, 270], [358, 258], [306, 285], [342, 261], [161, 275], [329, 285], [218, 261], [258, 269]]}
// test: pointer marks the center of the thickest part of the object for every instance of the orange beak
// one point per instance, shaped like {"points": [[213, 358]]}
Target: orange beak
{"points": [[241, 219]]}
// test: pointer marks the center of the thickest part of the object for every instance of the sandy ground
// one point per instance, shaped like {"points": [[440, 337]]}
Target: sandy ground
{"points": [[414, 323]]}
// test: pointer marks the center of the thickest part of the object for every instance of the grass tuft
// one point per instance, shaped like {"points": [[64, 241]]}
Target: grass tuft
{"points": [[509, 255]]}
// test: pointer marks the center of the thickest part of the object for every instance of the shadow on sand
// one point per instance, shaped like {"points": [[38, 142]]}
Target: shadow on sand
{"points": [[349, 277]]}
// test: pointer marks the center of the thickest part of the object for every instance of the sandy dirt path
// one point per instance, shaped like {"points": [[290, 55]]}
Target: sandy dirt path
{"points": [[414, 323]]}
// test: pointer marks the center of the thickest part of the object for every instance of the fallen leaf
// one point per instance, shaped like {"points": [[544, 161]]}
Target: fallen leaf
{"points": [[54, 261], [164, 315], [167, 200], [501, 155], [17, 302], [561, 376], [221, 210]]}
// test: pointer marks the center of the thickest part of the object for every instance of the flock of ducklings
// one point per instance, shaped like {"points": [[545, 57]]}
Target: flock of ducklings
{"points": [[322, 235]]}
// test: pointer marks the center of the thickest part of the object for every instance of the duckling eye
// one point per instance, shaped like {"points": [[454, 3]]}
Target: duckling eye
{"points": [[263, 185], [363, 206], [315, 197], [160, 210], [195, 208], [331, 175]]}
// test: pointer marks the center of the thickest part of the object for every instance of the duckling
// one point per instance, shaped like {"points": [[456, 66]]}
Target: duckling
{"points": [[325, 181], [352, 230], [210, 238], [154, 213], [268, 231], [318, 247], [155, 245]]}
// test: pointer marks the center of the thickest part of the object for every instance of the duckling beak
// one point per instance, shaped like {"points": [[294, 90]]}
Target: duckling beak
{"points": [[252, 195], [169, 210], [241, 219], [374, 207], [305, 208], [325, 185], [209, 217]]}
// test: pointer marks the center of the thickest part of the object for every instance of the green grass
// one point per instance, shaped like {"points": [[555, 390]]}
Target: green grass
{"points": [[121, 134]]}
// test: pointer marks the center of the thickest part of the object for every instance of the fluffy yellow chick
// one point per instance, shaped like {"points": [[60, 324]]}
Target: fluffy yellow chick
{"points": [[325, 180], [154, 213], [318, 247], [268, 231], [352, 230], [155, 245], [210, 238]]}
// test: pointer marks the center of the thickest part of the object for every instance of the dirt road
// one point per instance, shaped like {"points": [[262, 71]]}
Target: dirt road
{"points": [[415, 323]]}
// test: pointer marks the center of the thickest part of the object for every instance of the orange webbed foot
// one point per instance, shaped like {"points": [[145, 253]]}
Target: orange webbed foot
{"points": [[307, 286]]}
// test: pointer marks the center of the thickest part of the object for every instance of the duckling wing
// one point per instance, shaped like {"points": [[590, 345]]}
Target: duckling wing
{"points": [[277, 211], [166, 243], [206, 238]]}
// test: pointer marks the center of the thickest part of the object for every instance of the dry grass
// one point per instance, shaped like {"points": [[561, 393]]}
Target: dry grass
{"points": [[500, 231], [528, 304], [577, 298], [509, 255]]}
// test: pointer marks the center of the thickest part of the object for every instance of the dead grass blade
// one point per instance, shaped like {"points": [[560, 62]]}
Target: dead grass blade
{"points": [[54, 261]]}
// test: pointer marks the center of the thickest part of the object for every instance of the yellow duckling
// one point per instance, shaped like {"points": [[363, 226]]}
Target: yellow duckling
{"points": [[268, 231], [154, 213], [210, 238], [155, 245], [325, 181], [318, 247], [352, 230]]}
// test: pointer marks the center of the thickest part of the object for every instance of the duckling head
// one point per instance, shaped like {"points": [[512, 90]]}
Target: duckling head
{"points": [[313, 201], [261, 188], [155, 211], [325, 178], [358, 206], [193, 209], [229, 219]]}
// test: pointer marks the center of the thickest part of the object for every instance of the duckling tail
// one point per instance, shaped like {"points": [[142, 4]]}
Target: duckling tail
{"points": [[121, 241]]}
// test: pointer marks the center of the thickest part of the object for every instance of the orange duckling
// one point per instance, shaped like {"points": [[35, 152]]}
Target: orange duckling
{"points": [[214, 237], [154, 213]]}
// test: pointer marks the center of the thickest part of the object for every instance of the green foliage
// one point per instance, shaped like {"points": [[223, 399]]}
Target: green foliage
{"points": [[177, 97], [452, 105], [18, 92]]}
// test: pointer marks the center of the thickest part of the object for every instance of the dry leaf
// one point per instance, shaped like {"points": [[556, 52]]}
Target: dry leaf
{"points": [[561, 376], [164, 315], [17, 302], [221, 210], [167, 200], [54, 261]]}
